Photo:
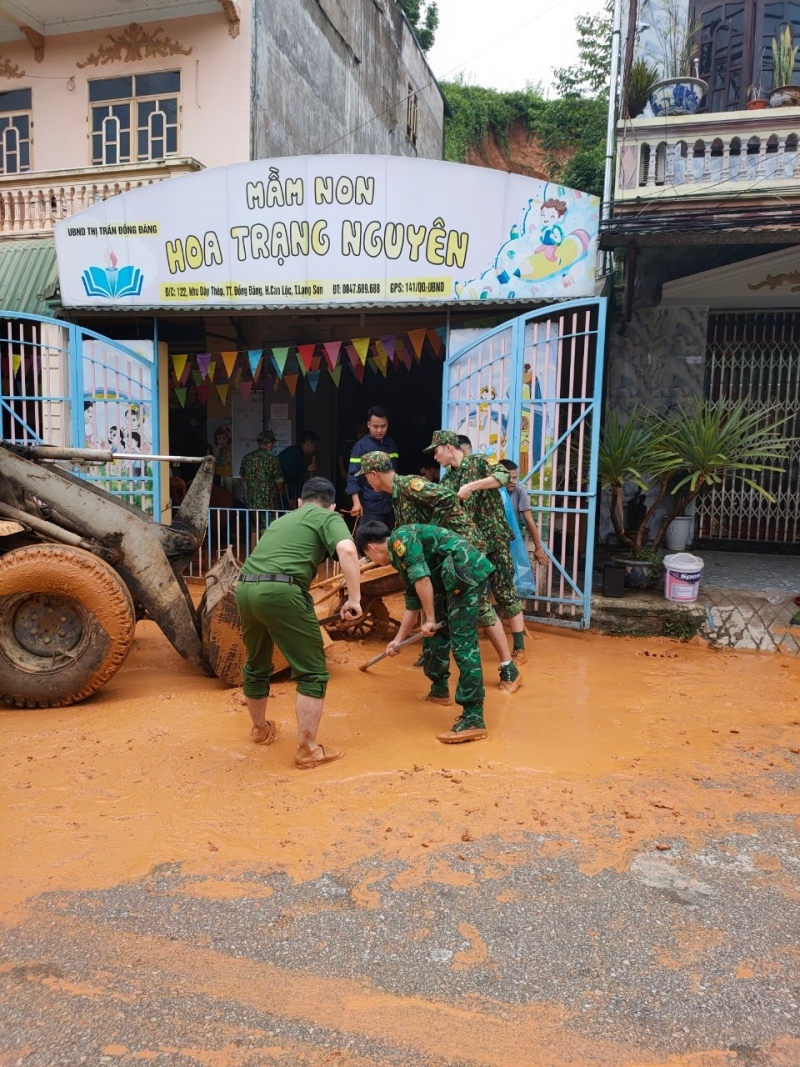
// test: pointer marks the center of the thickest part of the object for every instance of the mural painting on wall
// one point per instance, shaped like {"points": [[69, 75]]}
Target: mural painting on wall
{"points": [[117, 415]]}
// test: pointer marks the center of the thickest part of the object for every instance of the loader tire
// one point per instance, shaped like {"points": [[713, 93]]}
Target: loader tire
{"points": [[67, 622]]}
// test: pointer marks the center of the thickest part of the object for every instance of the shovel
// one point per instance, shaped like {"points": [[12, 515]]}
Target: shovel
{"points": [[383, 655]]}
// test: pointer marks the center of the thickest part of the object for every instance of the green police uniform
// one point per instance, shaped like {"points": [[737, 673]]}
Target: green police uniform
{"points": [[458, 573], [280, 613], [485, 508]]}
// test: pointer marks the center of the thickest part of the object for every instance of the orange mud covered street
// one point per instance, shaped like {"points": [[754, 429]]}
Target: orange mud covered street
{"points": [[610, 879]]}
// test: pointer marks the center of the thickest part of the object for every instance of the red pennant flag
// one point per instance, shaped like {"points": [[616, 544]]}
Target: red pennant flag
{"points": [[355, 362], [331, 349], [202, 394], [244, 388], [305, 353]]}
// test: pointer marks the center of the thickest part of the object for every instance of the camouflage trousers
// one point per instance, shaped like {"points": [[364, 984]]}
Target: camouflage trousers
{"points": [[505, 593], [459, 635]]}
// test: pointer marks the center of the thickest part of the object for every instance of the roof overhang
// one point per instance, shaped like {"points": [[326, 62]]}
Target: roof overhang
{"points": [[769, 281], [21, 19]]}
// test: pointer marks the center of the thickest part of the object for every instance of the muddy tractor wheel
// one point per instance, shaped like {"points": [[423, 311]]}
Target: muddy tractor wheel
{"points": [[67, 622]]}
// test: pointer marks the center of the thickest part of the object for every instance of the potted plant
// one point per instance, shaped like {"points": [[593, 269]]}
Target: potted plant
{"points": [[701, 445], [784, 53], [643, 76], [681, 91], [632, 452], [756, 98]]}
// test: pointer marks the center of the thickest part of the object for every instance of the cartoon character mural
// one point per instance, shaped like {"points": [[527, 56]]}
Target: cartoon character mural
{"points": [[548, 253]]}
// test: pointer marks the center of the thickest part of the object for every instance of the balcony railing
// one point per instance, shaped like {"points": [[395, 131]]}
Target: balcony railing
{"points": [[693, 157], [36, 201]]}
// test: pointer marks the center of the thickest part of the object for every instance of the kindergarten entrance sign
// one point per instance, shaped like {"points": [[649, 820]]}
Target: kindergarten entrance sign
{"points": [[322, 230]]}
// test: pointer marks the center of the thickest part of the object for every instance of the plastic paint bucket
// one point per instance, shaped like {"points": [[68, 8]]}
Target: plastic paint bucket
{"points": [[682, 581]]}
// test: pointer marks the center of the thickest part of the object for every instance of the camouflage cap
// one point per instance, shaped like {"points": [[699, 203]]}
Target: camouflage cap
{"points": [[442, 437], [265, 437], [375, 463]]}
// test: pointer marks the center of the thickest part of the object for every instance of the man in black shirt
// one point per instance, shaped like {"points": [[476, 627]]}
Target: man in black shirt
{"points": [[368, 503]]}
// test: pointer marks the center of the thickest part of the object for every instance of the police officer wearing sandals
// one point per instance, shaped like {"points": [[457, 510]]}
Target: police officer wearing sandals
{"points": [[444, 576], [276, 609]]}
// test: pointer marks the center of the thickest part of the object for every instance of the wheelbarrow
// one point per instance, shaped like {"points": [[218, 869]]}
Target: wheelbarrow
{"points": [[375, 622]]}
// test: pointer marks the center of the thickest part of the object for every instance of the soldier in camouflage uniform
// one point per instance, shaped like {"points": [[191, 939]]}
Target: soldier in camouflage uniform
{"points": [[416, 500], [444, 576], [262, 474], [477, 480]]}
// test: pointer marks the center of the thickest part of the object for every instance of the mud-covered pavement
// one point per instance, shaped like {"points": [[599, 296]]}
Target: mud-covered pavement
{"points": [[611, 879]]}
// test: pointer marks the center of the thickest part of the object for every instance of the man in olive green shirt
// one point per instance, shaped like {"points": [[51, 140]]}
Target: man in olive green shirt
{"points": [[276, 609]]}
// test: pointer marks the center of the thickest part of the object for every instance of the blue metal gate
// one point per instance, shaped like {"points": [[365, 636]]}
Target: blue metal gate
{"points": [[530, 391], [61, 384]]}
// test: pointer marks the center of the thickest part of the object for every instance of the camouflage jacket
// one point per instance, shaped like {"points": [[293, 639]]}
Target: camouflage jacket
{"points": [[423, 551], [262, 476], [416, 500], [485, 506]]}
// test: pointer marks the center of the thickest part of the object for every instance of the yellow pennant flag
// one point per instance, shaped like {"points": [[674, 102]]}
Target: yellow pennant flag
{"points": [[222, 390], [381, 358], [229, 360], [179, 365], [361, 345], [16, 360]]}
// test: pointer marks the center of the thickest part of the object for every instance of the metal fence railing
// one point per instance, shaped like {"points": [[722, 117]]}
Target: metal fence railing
{"points": [[237, 528]]}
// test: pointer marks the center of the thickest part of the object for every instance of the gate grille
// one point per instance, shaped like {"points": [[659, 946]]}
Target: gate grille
{"points": [[755, 357]]}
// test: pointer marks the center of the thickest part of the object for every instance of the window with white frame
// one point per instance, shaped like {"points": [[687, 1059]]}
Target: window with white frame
{"points": [[16, 124], [134, 118]]}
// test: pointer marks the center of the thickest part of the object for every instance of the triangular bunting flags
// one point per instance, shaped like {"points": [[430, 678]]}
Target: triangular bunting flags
{"points": [[372, 363], [187, 370], [244, 388], [389, 341], [404, 357], [305, 353], [254, 357], [291, 381], [355, 362], [180, 393], [229, 361], [381, 358], [435, 342], [442, 331], [212, 366], [197, 377], [222, 391], [336, 374], [279, 359], [179, 366], [16, 359], [313, 380], [316, 362], [202, 394], [331, 349], [361, 345], [203, 361], [417, 339]]}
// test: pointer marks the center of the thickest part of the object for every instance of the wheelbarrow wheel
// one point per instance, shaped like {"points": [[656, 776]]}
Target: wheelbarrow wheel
{"points": [[67, 622], [374, 624]]}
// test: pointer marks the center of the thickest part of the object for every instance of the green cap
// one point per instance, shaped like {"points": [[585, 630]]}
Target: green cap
{"points": [[375, 462], [442, 437], [265, 437]]}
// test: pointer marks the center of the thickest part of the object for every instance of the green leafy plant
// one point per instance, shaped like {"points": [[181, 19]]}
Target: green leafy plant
{"points": [[423, 19], [696, 447], [783, 56], [642, 78]]}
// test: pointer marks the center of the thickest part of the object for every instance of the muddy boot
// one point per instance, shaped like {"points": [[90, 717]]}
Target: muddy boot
{"points": [[439, 694], [510, 678], [421, 661], [470, 727]]}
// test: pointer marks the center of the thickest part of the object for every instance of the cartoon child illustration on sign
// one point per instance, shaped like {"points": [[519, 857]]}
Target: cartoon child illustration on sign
{"points": [[551, 235]]}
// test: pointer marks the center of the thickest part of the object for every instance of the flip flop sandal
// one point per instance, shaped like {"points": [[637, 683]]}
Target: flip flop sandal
{"points": [[268, 738], [328, 756]]}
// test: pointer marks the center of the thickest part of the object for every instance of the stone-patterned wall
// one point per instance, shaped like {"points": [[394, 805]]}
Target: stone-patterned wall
{"points": [[658, 362]]}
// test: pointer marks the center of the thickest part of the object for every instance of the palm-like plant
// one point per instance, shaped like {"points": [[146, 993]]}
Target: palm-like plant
{"points": [[709, 442], [632, 452], [701, 445]]}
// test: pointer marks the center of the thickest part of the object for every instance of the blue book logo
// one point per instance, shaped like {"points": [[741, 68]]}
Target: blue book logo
{"points": [[112, 282]]}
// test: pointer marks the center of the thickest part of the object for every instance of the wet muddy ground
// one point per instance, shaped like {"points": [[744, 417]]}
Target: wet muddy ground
{"points": [[612, 878]]}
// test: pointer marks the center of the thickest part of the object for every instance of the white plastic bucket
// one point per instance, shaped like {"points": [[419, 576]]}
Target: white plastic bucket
{"points": [[682, 582]]}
